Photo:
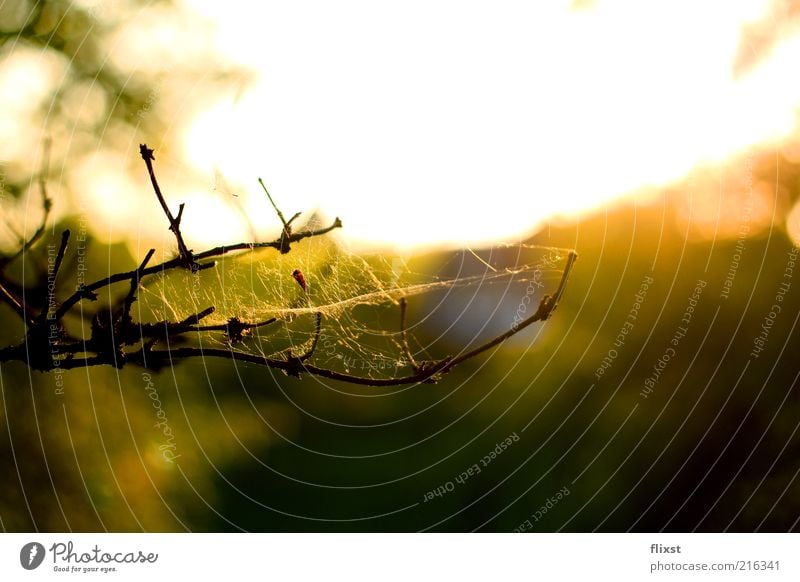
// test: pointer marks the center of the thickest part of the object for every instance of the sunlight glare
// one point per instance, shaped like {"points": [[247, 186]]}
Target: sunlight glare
{"points": [[461, 123]]}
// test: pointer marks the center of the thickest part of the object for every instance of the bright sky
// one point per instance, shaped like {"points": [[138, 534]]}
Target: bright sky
{"points": [[428, 122]]}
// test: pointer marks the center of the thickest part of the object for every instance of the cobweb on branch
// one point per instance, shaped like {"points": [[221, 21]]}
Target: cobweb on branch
{"points": [[344, 311]]}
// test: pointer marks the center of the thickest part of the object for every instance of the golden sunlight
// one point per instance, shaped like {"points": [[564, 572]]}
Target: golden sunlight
{"points": [[441, 122]]}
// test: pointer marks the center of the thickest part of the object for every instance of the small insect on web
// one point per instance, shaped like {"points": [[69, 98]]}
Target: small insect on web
{"points": [[301, 280]]}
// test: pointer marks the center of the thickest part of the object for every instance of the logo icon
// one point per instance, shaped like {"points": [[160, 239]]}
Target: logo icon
{"points": [[31, 555]]}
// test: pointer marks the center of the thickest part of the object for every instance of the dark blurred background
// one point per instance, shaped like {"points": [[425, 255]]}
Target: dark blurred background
{"points": [[662, 394]]}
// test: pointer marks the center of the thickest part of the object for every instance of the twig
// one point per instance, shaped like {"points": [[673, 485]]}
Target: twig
{"points": [[45, 314], [47, 205], [235, 329], [317, 330], [174, 222], [404, 336], [195, 319], [82, 292], [286, 234], [286, 226], [15, 304], [292, 219], [61, 250], [177, 262], [135, 282], [279, 244], [287, 366]]}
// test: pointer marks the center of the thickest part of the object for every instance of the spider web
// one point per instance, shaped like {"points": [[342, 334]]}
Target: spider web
{"points": [[454, 302]]}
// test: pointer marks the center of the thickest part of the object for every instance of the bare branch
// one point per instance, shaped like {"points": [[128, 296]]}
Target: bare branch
{"points": [[195, 319], [279, 244], [315, 341], [47, 205], [174, 223], [404, 335], [117, 340], [293, 218], [177, 262], [61, 250], [285, 224], [135, 282], [54, 276]]}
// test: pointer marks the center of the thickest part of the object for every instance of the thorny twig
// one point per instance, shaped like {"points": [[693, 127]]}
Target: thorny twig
{"points": [[404, 336], [286, 234], [174, 221], [46, 313], [117, 340]]}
